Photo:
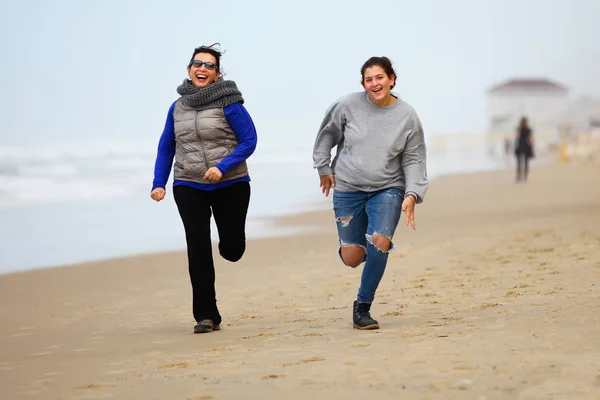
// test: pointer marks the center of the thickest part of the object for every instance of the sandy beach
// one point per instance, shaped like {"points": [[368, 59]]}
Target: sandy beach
{"points": [[496, 295]]}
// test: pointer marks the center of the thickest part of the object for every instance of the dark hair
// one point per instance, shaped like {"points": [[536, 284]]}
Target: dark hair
{"points": [[216, 53], [523, 123], [382, 62]]}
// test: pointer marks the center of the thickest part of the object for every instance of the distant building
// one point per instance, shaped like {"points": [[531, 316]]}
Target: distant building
{"points": [[583, 115], [542, 101]]}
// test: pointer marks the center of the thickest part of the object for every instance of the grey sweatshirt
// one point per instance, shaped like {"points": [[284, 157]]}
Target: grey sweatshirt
{"points": [[377, 147]]}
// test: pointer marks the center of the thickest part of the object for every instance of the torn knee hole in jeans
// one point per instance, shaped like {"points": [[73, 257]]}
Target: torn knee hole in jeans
{"points": [[370, 241], [352, 245], [345, 221]]}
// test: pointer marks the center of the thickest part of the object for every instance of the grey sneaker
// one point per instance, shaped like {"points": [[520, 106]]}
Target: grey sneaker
{"points": [[361, 316], [206, 325]]}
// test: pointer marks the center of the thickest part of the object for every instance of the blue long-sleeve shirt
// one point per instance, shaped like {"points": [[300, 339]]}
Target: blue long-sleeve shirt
{"points": [[242, 125]]}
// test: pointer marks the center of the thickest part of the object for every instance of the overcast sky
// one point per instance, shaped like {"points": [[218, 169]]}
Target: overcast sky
{"points": [[90, 69]]}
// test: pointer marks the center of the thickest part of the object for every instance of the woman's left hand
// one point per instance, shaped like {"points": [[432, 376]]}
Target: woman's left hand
{"points": [[408, 208], [213, 174]]}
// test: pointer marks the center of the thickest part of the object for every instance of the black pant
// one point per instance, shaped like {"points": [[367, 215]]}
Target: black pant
{"points": [[230, 206], [522, 166]]}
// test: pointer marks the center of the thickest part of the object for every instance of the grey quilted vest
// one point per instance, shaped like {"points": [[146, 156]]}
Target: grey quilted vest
{"points": [[203, 139]]}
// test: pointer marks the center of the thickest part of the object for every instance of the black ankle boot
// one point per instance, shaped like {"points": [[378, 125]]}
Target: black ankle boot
{"points": [[361, 316]]}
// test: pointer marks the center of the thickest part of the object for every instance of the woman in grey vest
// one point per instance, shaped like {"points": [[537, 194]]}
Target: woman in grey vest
{"points": [[379, 170], [210, 135]]}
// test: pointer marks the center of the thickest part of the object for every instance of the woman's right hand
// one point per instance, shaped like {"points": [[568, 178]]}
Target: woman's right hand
{"points": [[327, 182], [158, 194]]}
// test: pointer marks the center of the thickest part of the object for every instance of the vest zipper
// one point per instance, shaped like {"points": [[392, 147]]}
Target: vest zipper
{"points": [[201, 141]]}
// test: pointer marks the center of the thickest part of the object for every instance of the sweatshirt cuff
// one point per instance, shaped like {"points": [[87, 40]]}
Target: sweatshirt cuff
{"points": [[414, 194], [325, 170]]}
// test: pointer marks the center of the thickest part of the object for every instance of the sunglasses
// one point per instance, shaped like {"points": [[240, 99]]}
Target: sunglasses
{"points": [[208, 65]]}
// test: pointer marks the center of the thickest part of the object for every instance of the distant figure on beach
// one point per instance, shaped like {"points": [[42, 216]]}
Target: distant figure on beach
{"points": [[210, 134], [507, 150], [379, 170], [524, 149]]}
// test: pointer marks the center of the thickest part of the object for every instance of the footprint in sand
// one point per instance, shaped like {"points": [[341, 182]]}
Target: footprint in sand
{"points": [[464, 367], [220, 349], [266, 334], [486, 306], [392, 314], [310, 334], [181, 364], [304, 361], [93, 386], [334, 308], [410, 335], [272, 376], [248, 316], [300, 320], [452, 319]]}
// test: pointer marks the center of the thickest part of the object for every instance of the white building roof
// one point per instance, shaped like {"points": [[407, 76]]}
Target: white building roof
{"points": [[528, 84]]}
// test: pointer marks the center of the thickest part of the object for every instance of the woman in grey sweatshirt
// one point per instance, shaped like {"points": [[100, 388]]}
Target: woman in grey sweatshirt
{"points": [[379, 170]]}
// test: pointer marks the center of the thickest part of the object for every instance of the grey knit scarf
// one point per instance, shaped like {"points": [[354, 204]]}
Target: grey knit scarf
{"points": [[218, 94]]}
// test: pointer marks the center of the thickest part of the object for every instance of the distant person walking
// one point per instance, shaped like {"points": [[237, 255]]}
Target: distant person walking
{"points": [[379, 170], [507, 150], [524, 149], [210, 134]]}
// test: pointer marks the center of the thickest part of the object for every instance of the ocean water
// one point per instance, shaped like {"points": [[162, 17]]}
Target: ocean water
{"points": [[74, 202]]}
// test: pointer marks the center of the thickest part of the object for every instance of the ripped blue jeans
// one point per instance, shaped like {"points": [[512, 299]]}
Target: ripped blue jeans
{"points": [[359, 216]]}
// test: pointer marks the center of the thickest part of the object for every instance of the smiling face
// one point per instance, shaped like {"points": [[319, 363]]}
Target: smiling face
{"points": [[379, 85], [205, 72]]}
